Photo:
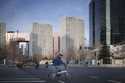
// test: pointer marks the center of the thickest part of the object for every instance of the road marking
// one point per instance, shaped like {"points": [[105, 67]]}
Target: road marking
{"points": [[20, 79], [28, 78], [42, 81], [60, 81], [114, 81], [94, 77]]}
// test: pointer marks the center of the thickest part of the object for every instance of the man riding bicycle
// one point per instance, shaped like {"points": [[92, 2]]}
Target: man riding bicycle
{"points": [[58, 68], [58, 62]]}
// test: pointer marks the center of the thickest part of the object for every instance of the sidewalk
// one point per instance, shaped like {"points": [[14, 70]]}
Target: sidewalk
{"points": [[102, 65], [112, 65]]}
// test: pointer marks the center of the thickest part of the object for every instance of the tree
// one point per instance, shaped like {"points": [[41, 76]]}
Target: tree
{"points": [[104, 54]]}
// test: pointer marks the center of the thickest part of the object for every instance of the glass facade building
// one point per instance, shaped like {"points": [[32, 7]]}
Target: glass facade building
{"points": [[107, 21]]}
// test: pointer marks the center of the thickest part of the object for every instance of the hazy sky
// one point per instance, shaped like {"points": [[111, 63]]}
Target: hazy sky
{"points": [[20, 14]]}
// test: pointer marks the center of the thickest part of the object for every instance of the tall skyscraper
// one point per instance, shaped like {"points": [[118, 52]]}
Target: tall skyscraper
{"points": [[91, 24], [2, 35], [71, 36], [42, 40], [56, 42], [107, 21]]}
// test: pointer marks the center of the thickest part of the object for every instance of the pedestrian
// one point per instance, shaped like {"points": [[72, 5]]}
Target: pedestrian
{"points": [[46, 64], [37, 65]]}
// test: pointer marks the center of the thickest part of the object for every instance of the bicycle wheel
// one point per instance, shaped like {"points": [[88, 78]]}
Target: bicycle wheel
{"points": [[52, 76], [67, 77]]}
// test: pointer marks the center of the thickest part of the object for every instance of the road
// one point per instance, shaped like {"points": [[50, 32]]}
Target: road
{"points": [[79, 75]]}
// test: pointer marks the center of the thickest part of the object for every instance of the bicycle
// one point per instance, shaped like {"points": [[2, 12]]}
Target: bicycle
{"points": [[59, 73]]}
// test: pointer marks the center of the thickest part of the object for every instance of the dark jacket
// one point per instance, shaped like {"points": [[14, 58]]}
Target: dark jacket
{"points": [[57, 61]]}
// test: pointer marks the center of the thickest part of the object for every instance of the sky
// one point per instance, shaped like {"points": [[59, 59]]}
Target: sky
{"points": [[20, 14]]}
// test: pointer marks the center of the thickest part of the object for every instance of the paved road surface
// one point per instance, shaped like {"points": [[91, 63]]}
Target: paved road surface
{"points": [[79, 75]]}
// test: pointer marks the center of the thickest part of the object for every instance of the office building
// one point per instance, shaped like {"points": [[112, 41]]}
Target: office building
{"points": [[56, 43], [42, 40], [71, 36], [107, 22], [2, 35], [12, 35], [17, 44]]}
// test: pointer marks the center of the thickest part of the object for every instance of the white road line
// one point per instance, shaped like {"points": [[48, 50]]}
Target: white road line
{"points": [[114, 81], [42, 81], [60, 81], [29, 78], [21, 78], [93, 77]]}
